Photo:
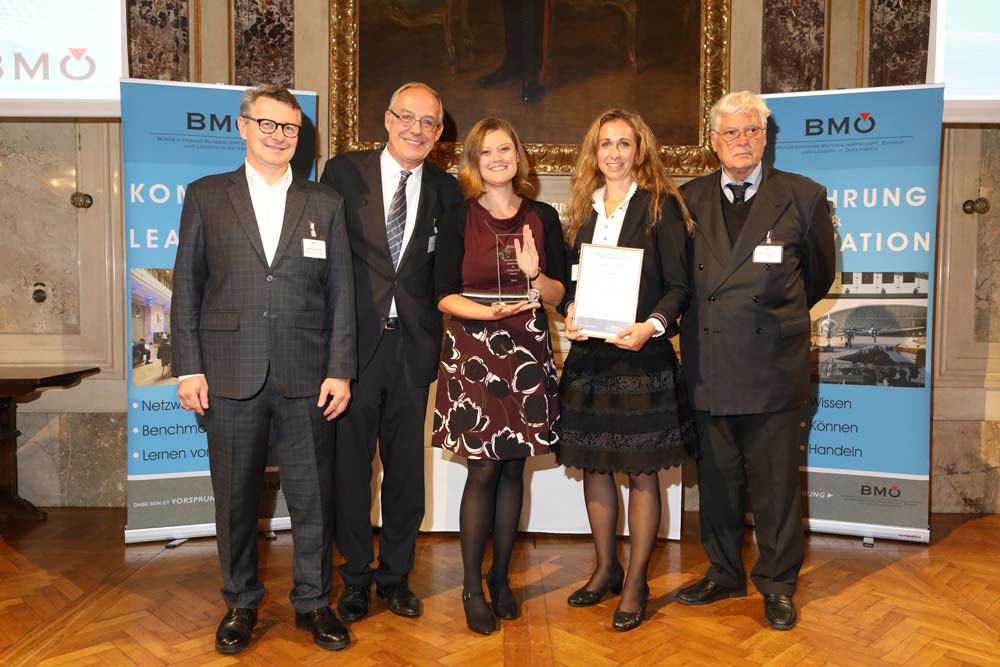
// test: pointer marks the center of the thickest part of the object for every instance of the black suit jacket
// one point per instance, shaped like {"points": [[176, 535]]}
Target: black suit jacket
{"points": [[233, 317], [663, 288], [357, 176], [745, 337]]}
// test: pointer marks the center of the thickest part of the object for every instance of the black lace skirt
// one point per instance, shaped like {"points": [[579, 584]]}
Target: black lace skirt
{"points": [[624, 411]]}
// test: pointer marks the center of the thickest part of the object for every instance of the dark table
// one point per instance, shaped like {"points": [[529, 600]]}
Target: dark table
{"points": [[15, 382]]}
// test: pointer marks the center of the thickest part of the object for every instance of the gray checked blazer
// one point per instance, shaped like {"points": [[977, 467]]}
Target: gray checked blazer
{"points": [[233, 317], [745, 336]]}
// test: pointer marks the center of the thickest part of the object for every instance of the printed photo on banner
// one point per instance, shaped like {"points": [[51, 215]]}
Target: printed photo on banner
{"points": [[151, 345], [872, 330]]}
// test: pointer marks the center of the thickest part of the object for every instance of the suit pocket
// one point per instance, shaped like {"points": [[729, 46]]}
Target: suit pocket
{"points": [[220, 321], [796, 327], [311, 319]]}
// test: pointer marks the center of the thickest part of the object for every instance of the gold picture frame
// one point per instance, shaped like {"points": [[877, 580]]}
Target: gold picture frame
{"points": [[681, 160]]}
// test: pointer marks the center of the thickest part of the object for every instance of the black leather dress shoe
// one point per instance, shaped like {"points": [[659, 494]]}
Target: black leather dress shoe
{"points": [[581, 597], [327, 630], [623, 621], [707, 591], [779, 611], [235, 629], [401, 600], [478, 615], [532, 92], [502, 599], [499, 75], [353, 603]]}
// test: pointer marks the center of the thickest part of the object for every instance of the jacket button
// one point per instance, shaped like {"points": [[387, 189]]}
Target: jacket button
{"points": [[269, 278], [705, 330], [701, 267], [767, 267], [712, 299], [758, 331], [756, 298], [265, 313]]}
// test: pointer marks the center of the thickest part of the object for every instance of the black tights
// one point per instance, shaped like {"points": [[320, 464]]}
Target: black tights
{"points": [[491, 502], [601, 495]]}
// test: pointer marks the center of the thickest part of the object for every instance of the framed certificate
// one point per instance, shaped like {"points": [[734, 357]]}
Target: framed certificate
{"points": [[607, 289]]}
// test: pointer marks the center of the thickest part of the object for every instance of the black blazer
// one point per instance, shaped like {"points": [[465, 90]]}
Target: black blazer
{"points": [[663, 288], [745, 338], [233, 317], [357, 176]]}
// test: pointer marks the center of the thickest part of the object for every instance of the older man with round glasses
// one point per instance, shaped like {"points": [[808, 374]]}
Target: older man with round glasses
{"points": [[762, 255], [393, 201]]}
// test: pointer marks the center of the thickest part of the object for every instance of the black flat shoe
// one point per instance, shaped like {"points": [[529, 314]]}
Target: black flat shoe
{"points": [[353, 603], [623, 621], [235, 630], [502, 599], [401, 600], [478, 615], [581, 597], [706, 591], [327, 630], [779, 611]]}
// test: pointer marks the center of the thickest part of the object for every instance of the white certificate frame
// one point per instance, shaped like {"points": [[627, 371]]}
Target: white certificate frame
{"points": [[607, 289]]}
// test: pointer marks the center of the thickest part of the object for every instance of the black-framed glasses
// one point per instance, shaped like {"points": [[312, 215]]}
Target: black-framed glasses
{"points": [[268, 126], [407, 119], [731, 135]]}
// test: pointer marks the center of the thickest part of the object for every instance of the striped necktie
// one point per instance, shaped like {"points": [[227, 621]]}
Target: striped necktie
{"points": [[395, 222], [739, 191]]}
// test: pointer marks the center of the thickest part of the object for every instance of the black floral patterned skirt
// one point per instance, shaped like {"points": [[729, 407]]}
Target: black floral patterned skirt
{"points": [[497, 393], [624, 411]]}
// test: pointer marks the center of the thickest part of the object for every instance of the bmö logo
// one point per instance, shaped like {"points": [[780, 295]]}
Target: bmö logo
{"points": [[881, 491], [863, 123], [23, 68], [199, 122]]}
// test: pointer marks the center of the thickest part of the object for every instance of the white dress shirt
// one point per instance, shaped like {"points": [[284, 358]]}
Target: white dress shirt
{"points": [[390, 181], [754, 179], [268, 207]]}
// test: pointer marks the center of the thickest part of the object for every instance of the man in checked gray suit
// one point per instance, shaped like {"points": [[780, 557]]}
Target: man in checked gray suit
{"points": [[265, 348]]}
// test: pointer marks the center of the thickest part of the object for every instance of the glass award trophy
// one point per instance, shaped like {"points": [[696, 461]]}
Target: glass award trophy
{"points": [[512, 284]]}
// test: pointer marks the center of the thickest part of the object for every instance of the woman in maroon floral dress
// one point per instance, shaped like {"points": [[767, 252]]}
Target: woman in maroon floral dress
{"points": [[498, 397]]}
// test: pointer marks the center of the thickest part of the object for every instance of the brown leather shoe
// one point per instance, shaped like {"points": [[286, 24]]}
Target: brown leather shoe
{"points": [[235, 630], [327, 630]]}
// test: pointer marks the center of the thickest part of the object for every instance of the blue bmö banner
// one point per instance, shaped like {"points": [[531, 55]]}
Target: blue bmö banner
{"points": [[866, 434], [173, 134]]}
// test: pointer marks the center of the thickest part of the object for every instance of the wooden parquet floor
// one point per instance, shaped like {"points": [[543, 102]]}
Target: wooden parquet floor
{"points": [[72, 594]]}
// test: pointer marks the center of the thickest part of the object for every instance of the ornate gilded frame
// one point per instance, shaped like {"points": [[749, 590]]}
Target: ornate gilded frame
{"points": [[546, 158]]}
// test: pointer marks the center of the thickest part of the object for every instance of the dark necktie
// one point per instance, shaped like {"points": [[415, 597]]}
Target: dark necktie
{"points": [[739, 191], [395, 222]]}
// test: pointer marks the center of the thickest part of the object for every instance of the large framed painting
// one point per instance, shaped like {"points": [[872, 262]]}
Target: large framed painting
{"points": [[666, 59]]}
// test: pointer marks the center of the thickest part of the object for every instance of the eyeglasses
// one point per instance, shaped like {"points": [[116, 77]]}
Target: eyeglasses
{"points": [[268, 126], [407, 119], [731, 135]]}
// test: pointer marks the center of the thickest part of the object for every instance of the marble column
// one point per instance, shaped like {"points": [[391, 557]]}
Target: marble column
{"points": [[899, 32], [159, 40], [794, 42], [265, 51]]}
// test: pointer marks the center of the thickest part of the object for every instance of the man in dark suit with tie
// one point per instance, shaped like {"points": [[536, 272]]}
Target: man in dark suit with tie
{"points": [[393, 200], [762, 255], [264, 343]]}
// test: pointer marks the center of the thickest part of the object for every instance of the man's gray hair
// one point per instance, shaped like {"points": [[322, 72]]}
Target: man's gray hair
{"points": [[739, 102], [417, 84], [272, 90]]}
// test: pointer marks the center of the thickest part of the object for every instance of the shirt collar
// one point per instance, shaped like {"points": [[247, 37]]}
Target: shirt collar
{"points": [[754, 178], [255, 177], [598, 197], [391, 168]]}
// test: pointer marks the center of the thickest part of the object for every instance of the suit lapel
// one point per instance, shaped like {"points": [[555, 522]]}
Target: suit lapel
{"points": [[712, 228], [371, 209], [295, 204], [768, 205], [634, 215], [239, 195], [423, 221]]}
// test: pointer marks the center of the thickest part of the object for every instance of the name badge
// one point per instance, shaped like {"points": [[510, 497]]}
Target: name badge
{"points": [[431, 243], [314, 248], [768, 252], [574, 273]]}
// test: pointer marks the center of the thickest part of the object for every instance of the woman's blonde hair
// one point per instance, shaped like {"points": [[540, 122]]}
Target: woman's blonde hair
{"points": [[648, 173], [469, 178]]}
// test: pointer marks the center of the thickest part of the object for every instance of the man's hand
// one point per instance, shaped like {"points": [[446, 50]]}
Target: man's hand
{"points": [[193, 394], [338, 392]]}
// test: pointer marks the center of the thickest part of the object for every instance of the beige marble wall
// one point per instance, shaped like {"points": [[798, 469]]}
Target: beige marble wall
{"points": [[39, 261], [74, 459], [987, 306], [965, 471]]}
